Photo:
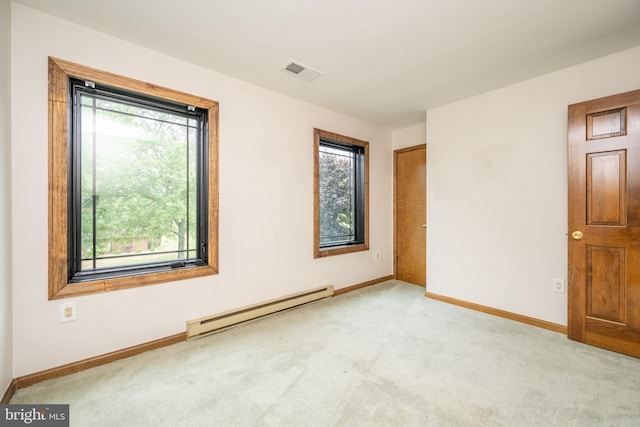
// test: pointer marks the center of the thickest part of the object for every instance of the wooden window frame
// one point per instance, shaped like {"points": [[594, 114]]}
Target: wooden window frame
{"points": [[318, 251], [59, 286]]}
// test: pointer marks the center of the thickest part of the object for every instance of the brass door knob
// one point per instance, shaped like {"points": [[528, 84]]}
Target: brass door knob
{"points": [[577, 235]]}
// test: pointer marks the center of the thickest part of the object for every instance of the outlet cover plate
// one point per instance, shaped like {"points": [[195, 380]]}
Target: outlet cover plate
{"points": [[559, 285], [68, 312]]}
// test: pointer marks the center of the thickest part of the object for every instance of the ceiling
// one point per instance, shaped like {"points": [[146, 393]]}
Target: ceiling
{"points": [[385, 62]]}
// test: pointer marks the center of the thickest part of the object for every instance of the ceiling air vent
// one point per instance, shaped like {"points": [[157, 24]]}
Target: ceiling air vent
{"points": [[302, 71], [294, 68]]}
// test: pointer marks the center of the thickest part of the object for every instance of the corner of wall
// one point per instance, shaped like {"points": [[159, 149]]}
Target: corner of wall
{"points": [[6, 338], [409, 136]]}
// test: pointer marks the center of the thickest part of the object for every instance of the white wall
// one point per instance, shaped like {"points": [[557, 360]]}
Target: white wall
{"points": [[5, 196], [266, 201], [497, 187], [409, 136]]}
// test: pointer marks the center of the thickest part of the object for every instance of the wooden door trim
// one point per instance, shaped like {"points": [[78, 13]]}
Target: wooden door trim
{"points": [[395, 201]]}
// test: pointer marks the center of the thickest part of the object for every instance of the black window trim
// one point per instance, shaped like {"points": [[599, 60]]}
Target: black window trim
{"points": [[77, 86], [359, 202]]}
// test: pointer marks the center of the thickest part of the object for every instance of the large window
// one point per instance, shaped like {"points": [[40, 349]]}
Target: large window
{"points": [[133, 182], [340, 194]]}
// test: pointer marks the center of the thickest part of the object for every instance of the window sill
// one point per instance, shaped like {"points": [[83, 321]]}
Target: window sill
{"points": [[340, 250], [134, 281]]}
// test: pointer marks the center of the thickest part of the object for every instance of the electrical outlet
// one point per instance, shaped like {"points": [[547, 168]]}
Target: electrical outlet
{"points": [[558, 285], [68, 312]]}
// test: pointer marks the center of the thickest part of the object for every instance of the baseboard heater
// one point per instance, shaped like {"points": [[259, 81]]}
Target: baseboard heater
{"points": [[204, 326]]}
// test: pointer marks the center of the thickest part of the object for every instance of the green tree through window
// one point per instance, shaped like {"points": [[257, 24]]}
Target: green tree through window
{"points": [[138, 184], [337, 194]]}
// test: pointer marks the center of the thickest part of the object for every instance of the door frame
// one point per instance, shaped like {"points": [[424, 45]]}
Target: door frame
{"points": [[395, 203]]}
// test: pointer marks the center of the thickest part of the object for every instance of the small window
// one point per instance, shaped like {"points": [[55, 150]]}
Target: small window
{"points": [[133, 183], [340, 193]]}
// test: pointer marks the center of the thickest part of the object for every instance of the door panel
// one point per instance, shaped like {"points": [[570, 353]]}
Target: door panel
{"points": [[604, 222], [605, 283], [410, 244], [606, 188]]}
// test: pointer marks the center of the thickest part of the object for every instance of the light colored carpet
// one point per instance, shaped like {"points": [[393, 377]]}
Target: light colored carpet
{"points": [[380, 356]]}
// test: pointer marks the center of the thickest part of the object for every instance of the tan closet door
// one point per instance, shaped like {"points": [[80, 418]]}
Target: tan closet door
{"points": [[410, 181]]}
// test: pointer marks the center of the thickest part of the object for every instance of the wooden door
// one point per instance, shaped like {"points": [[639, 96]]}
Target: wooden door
{"points": [[410, 216], [604, 222]]}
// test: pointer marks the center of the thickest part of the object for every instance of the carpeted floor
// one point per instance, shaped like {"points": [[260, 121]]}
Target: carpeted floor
{"points": [[380, 356]]}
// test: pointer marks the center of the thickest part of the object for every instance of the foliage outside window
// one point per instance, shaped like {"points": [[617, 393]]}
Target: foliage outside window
{"points": [[341, 192], [133, 182]]}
